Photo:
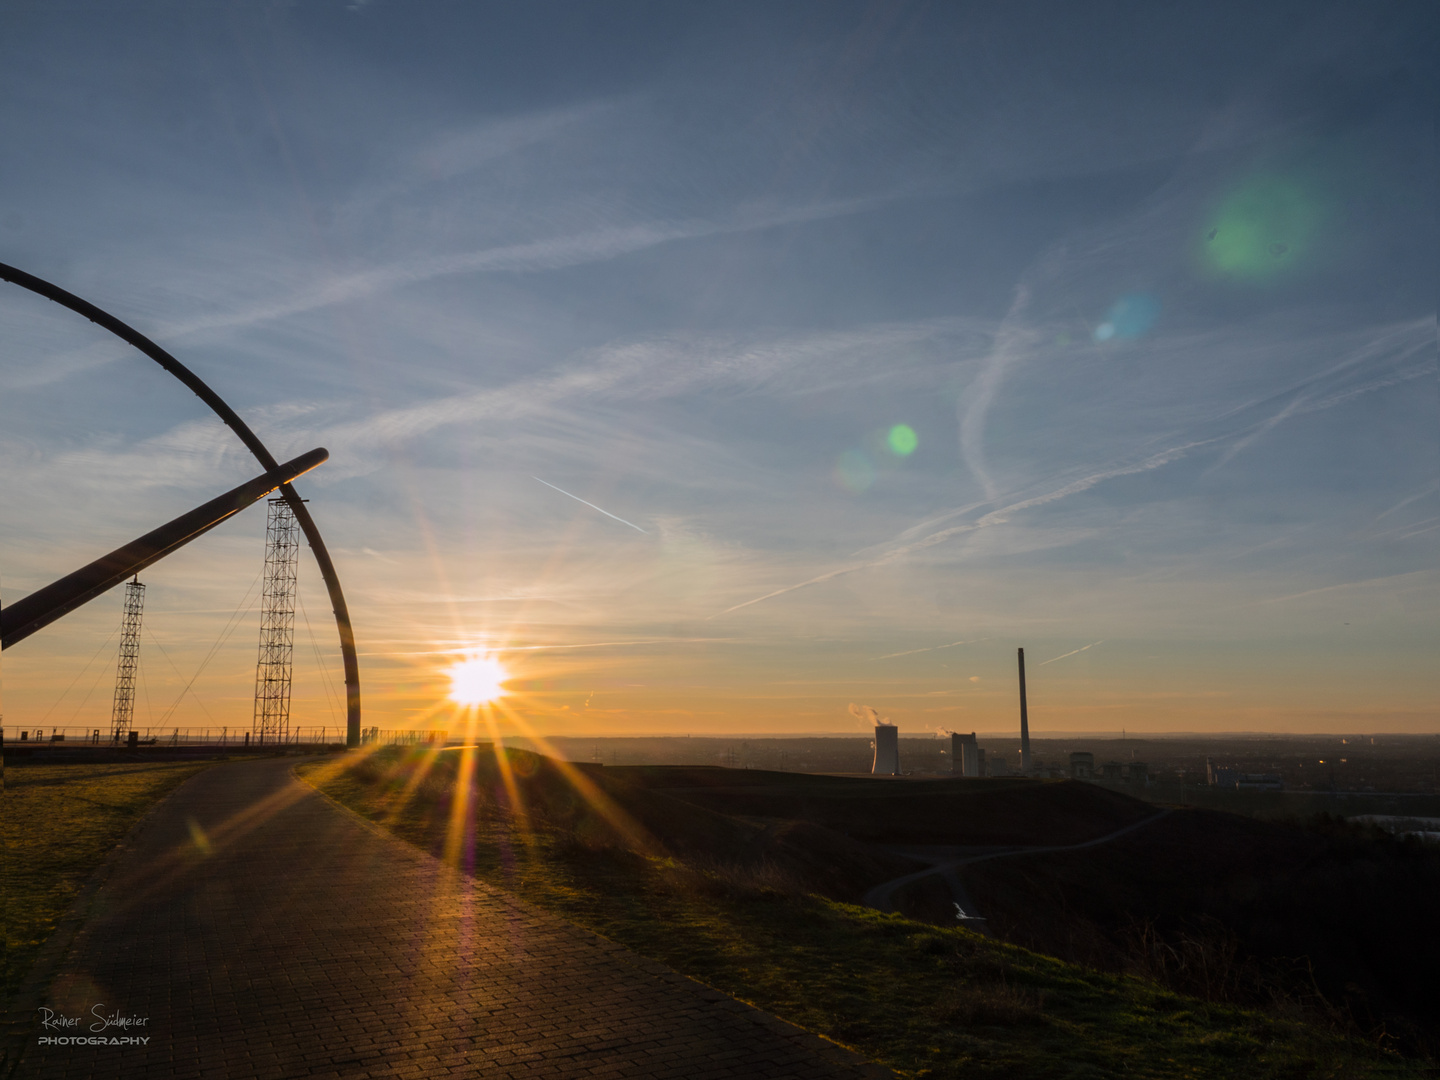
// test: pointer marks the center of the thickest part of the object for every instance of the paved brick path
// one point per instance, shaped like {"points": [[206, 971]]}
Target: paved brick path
{"points": [[305, 944]]}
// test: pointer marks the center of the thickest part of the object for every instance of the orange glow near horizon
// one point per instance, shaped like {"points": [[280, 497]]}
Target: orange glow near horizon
{"points": [[477, 680]]}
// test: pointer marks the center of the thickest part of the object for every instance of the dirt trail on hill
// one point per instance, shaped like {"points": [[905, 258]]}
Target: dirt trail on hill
{"points": [[948, 867]]}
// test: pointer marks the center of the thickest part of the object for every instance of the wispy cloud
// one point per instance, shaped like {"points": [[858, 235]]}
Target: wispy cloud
{"points": [[1394, 345], [1011, 344], [1430, 489], [458, 151], [524, 257], [503, 648], [668, 367], [990, 520], [1389, 579], [1403, 352]]}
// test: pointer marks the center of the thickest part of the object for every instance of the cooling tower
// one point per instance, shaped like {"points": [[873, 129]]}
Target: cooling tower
{"points": [[887, 750]]}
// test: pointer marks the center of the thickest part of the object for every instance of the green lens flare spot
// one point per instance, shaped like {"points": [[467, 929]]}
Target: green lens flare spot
{"points": [[903, 440], [1263, 227]]}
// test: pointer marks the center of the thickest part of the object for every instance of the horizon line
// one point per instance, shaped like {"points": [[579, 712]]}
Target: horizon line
{"points": [[1126, 735]]}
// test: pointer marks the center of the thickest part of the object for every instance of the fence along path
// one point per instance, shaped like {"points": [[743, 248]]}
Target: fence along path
{"points": [[219, 737]]}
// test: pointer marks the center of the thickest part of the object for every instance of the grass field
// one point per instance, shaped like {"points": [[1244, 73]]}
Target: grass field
{"points": [[928, 1001], [58, 823], [1242, 910]]}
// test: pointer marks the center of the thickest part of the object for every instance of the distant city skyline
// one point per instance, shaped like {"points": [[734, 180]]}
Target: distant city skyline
{"points": [[717, 368]]}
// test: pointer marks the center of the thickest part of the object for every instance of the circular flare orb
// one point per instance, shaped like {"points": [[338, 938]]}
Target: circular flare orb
{"points": [[855, 471], [477, 680], [902, 440], [1263, 227]]}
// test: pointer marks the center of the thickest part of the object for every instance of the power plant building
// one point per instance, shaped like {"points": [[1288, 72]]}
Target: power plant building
{"points": [[964, 755], [887, 750]]}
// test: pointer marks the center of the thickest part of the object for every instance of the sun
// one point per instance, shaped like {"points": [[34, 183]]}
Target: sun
{"points": [[477, 680]]}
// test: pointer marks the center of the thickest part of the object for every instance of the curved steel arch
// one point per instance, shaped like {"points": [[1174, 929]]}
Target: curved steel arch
{"points": [[252, 442]]}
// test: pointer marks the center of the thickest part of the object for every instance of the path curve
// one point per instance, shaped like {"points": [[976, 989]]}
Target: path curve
{"points": [[880, 896], [262, 932]]}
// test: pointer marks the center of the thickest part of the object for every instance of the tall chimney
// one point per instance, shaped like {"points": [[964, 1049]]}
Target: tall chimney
{"points": [[1024, 721]]}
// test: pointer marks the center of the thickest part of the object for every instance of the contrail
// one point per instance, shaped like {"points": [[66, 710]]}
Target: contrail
{"points": [[1010, 344], [611, 644], [592, 506], [1000, 516], [812, 581], [1072, 652], [932, 648], [1343, 585]]}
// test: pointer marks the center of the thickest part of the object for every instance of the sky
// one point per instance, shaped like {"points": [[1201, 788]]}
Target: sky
{"points": [[718, 367]]}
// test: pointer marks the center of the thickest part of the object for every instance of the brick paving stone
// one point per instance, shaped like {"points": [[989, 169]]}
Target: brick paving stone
{"points": [[305, 943]]}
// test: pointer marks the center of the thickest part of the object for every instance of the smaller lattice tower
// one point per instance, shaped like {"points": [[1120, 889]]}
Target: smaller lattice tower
{"points": [[277, 625], [122, 710]]}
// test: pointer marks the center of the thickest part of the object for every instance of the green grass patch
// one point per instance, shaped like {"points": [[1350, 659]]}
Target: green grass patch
{"points": [[58, 823], [927, 1001]]}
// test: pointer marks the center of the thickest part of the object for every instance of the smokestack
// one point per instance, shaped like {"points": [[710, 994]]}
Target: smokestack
{"points": [[1024, 721], [887, 750]]}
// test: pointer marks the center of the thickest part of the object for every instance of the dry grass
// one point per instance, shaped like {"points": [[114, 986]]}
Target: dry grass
{"points": [[990, 1004], [929, 1001], [59, 822]]}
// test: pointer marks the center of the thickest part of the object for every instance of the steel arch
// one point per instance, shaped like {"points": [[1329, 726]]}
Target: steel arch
{"points": [[133, 337]]}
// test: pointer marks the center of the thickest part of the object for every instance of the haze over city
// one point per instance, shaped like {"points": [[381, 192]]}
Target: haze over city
{"points": [[714, 374]]}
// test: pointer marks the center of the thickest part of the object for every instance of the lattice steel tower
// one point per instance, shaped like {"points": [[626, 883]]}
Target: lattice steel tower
{"points": [[122, 709], [277, 624]]}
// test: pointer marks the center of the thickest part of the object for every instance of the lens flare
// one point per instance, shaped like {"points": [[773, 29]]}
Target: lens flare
{"points": [[477, 680], [1262, 227], [902, 440], [855, 471], [1131, 316]]}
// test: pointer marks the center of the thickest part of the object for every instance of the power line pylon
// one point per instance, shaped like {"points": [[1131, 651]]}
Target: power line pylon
{"points": [[122, 709], [277, 625]]}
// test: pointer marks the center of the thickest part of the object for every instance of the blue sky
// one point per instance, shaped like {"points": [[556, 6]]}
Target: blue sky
{"points": [[1152, 287]]}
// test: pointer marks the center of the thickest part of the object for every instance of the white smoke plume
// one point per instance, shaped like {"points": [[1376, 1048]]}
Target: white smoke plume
{"points": [[868, 715]]}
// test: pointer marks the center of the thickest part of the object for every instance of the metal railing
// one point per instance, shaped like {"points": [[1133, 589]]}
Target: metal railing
{"points": [[402, 737], [228, 737]]}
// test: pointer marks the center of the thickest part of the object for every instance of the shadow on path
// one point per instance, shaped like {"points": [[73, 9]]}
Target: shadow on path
{"points": [[259, 931]]}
